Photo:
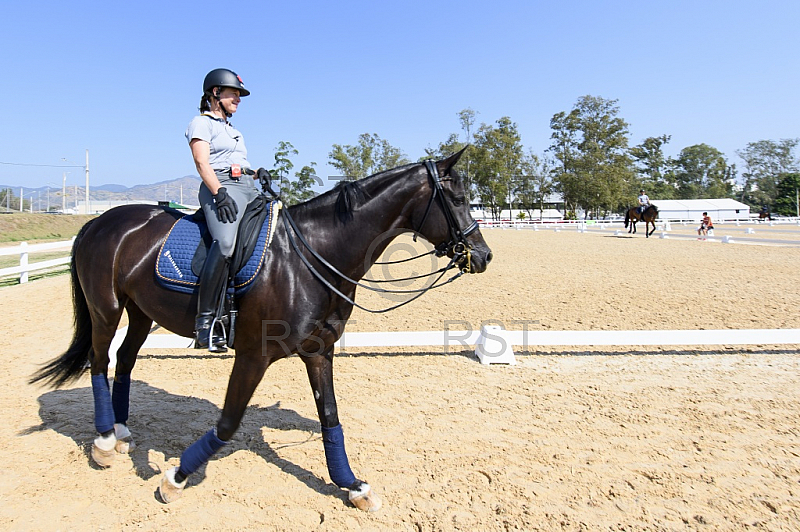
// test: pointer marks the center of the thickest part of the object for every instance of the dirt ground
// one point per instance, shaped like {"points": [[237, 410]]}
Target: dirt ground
{"points": [[622, 438]]}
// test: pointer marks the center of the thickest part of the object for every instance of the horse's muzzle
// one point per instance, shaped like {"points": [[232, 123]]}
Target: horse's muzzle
{"points": [[479, 260]]}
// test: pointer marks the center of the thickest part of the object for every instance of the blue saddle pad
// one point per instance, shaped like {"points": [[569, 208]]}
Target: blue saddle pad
{"points": [[174, 264]]}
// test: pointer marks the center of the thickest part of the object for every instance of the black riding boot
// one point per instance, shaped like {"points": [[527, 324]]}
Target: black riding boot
{"points": [[209, 295]]}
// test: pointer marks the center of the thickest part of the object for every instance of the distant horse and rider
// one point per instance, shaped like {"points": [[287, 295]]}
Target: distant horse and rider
{"points": [[649, 215], [765, 214]]}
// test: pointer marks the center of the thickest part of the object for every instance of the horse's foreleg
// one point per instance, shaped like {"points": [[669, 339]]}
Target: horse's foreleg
{"points": [[248, 370], [320, 375]]}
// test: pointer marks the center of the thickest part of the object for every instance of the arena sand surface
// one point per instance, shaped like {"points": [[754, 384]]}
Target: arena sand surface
{"points": [[603, 439]]}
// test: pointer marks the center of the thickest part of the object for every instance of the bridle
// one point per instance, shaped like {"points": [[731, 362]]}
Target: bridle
{"points": [[457, 245]]}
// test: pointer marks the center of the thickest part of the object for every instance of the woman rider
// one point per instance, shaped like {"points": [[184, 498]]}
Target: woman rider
{"points": [[221, 159]]}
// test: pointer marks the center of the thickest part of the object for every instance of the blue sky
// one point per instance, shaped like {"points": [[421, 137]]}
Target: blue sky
{"points": [[123, 79]]}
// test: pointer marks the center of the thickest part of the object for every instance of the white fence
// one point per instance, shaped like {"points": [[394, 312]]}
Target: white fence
{"points": [[598, 224], [25, 266], [528, 339]]}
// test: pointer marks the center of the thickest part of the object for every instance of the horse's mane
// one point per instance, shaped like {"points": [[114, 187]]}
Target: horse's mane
{"points": [[350, 196], [347, 196]]}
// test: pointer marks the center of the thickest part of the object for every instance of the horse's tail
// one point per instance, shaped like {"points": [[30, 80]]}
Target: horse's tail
{"points": [[627, 217], [71, 364]]}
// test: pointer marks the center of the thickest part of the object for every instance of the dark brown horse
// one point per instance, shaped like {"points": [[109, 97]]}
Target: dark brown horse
{"points": [[649, 216], [298, 304], [765, 214]]}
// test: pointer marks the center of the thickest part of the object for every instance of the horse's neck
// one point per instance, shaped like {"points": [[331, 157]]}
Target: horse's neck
{"points": [[346, 244]]}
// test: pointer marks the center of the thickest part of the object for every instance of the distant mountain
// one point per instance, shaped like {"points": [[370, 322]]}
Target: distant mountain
{"points": [[181, 190], [113, 188]]}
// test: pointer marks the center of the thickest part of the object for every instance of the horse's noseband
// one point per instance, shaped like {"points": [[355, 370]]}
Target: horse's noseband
{"points": [[457, 245]]}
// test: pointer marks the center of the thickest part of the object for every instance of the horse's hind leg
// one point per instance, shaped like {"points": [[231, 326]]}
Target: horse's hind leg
{"points": [[105, 313], [320, 375], [103, 330], [138, 329]]}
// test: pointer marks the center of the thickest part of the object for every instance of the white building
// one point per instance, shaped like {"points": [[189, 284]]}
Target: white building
{"points": [[553, 211], [101, 206], [692, 210]]}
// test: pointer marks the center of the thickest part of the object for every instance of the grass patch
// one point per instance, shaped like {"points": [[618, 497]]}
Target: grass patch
{"points": [[9, 261], [13, 280], [37, 228], [40, 227]]}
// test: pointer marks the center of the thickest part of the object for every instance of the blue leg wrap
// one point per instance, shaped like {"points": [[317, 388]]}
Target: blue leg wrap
{"points": [[199, 452], [103, 412], [336, 457], [120, 397]]}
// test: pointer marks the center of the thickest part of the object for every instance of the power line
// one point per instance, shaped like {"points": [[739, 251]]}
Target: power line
{"points": [[44, 165]]}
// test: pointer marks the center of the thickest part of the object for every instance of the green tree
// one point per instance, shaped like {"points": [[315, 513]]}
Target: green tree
{"points": [[300, 190], [534, 184], [788, 187], [370, 155], [765, 161], [283, 164], [7, 199], [652, 166], [496, 162], [701, 171], [466, 118], [444, 149], [591, 142], [453, 144]]}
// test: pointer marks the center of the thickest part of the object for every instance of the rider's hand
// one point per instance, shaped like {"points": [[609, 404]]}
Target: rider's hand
{"points": [[263, 175], [226, 207]]}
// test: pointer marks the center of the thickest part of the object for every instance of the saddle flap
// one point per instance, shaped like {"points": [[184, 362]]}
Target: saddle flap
{"points": [[182, 255]]}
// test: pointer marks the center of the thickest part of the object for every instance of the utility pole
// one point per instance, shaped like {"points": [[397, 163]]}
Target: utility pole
{"points": [[88, 210]]}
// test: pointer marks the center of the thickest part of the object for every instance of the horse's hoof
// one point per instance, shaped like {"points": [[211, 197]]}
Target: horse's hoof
{"points": [[125, 446], [102, 457], [124, 443], [365, 499], [170, 490]]}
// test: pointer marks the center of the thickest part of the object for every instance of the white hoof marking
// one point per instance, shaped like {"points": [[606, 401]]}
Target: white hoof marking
{"points": [[365, 499], [170, 490]]}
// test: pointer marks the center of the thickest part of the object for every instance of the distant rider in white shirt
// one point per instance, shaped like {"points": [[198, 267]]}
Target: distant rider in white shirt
{"points": [[644, 202]]}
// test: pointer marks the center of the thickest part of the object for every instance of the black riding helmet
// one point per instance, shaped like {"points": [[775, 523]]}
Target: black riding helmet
{"points": [[222, 77]]}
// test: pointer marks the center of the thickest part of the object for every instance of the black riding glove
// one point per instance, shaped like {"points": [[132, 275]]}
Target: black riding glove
{"points": [[226, 207], [264, 177]]}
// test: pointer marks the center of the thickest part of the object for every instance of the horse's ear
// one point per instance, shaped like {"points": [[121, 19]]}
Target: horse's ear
{"points": [[446, 164]]}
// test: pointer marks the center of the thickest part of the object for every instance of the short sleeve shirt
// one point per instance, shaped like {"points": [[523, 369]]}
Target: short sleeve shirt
{"points": [[643, 199], [226, 144]]}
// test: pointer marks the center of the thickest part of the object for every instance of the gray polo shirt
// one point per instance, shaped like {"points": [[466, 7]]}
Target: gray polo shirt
{"points": [[226, 142]]}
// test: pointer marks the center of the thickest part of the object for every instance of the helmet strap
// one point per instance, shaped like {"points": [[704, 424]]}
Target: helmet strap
{"points": [[215, 94]]}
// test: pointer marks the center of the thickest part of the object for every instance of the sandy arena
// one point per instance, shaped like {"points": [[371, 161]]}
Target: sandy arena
{"points": [[569, 439]]}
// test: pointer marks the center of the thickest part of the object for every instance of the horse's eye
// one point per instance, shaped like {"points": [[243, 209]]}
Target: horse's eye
{"points": [[458, 202]]}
